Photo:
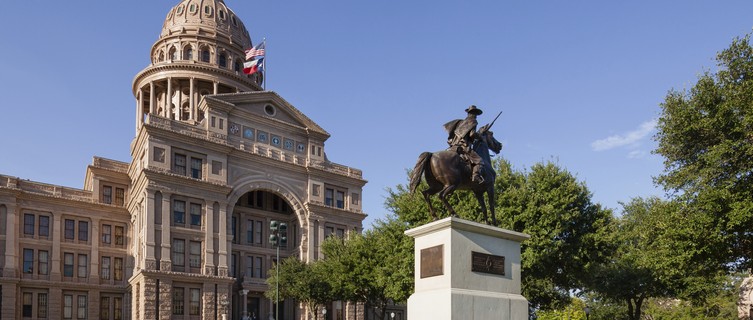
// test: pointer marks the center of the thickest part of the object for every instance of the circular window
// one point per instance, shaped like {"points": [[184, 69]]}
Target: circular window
{"points": [[270, 110]]}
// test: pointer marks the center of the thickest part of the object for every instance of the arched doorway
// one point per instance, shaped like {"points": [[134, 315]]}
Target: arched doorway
{"points": [[252, 254]]}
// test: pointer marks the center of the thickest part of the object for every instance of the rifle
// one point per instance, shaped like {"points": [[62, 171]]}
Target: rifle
{"points": [[488, 126]]}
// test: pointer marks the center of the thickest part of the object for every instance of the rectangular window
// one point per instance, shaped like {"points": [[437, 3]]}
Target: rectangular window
{"points": [[107, 194], [29, 224], [43, 264], [106, 233], [118, 308], [28, 261], [42, 305], [44, 226], [250, 231], [68, 264], [355, 198], [159, 154], [233, 262], [81, 312], [83, 231], [178, 296], [195, 301], [216, 167], [250, 267], [27, 305], [119, 196], [179, 212], [105, 267], [119, 236], [258, 232], [194, 254], [179, 164], [340, 200], [257, 267], [329, 197], [104, 308], [234, 226], [195, 214], [179, 252], [67, 306], [118, 269], [70, 226], [196, 168], [83, 263]]}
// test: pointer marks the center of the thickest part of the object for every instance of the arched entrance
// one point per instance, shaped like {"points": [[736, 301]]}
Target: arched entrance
{"points": [[252, 255]]}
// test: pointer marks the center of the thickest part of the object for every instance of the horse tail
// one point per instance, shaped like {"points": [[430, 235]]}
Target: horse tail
{"points": [[418, 170]]}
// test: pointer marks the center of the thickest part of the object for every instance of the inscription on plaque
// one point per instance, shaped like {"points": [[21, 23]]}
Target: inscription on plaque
{"points": [[487, 263], [432, 263]]}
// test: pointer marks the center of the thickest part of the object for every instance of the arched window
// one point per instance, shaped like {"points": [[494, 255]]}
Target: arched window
{"points": [[237, 66], [188, 53], [205, 55], [223, 60], [185, 112], [173, 54], [161, 56]]}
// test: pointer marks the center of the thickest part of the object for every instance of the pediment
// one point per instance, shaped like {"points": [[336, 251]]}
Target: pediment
{"points": [[267, 107]]}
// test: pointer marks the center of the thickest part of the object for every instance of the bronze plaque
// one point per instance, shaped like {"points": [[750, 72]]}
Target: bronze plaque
{"points": [[432, 263], [487, 263]]}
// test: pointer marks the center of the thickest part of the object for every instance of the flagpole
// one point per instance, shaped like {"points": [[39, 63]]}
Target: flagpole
{"points": [[264, 83]]}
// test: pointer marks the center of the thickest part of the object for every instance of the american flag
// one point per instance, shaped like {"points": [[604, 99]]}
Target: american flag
{"points": [[256, 51]]}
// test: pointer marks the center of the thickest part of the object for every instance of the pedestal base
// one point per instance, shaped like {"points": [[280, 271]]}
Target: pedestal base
{"points": [[452, 282]]}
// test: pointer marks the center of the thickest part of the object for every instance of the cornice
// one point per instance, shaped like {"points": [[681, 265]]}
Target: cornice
{"points": [[201, 68]]}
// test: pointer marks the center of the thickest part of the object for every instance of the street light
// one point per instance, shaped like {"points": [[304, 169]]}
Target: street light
{"points": [[278, 236], [324, 312], [392, 315]]}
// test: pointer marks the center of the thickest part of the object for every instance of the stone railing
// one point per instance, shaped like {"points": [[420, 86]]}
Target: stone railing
{"points": [[46, 189], [186, 129]]}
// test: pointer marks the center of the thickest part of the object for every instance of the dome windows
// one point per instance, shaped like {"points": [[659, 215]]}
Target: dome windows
{"points": [[205, 55], [235, 21], [192, 8], [188, 53], [222, 14], [223, 60], [173, 54], [180, 10], [208, 11], [237, 66]]}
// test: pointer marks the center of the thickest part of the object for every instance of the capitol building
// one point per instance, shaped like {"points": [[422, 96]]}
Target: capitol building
{"points": [[181, 231]]}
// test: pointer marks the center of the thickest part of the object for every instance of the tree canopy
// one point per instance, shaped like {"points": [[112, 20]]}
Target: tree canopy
{"points": [[705, 135]]}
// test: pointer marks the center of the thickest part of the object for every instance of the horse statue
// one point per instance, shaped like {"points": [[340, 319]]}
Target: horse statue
{"points": [[445, 171]]}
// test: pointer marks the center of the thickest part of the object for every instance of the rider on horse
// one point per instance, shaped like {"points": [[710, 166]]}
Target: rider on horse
{"points": [[462, 136]]}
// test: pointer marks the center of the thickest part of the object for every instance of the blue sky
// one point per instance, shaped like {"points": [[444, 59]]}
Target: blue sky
{"points": [[580, 82]]}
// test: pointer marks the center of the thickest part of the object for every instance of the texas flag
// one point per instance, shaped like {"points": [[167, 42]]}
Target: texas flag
{"points": [[253, 66]]}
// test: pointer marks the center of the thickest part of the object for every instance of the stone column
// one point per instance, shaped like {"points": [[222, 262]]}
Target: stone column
{"points": [[166, 261], [223, 245], [244, 301], [148, 228], [94, 253], [209, 214], [56, 255], [151, 97], [191, 104], [169, 99], [138, 111], [12, 219], [216, 87]]}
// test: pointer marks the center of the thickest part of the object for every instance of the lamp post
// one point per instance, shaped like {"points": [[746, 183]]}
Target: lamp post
{"points": [[392, 315], [278, 237]]}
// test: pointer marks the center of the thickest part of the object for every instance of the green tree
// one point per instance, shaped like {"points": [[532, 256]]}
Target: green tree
{"points": [[705, 135], [656, 257], [304, 282], [375, 267], [547, 203]]}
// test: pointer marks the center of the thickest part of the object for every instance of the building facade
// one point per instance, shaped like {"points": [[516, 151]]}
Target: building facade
{"points": [[182, 230]]}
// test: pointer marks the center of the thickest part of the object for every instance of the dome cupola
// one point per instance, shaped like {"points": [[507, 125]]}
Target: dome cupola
{"points": [[200, 51]]}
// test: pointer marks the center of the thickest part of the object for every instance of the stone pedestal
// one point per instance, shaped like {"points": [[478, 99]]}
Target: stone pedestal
{"points": [[466, 270]]}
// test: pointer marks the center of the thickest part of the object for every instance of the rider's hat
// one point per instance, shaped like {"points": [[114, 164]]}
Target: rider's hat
{"points": [[473, 110]]}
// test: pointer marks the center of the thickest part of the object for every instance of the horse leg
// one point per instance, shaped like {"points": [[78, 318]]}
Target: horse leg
{"points": [[427, 194], [492, 204], [480, 198], [442, 196]]}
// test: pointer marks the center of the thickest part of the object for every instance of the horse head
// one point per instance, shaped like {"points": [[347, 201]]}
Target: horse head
{"points": [[492, 143]]}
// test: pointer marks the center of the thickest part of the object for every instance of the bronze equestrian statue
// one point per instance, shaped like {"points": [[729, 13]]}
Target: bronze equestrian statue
{"points": [[465, 165]]}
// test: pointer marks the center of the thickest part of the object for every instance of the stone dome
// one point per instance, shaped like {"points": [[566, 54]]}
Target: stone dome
{"points": [[207, 14]]}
